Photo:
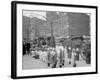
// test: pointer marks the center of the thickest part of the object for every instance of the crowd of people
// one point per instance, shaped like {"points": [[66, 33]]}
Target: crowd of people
{"points": [[56, 56]]}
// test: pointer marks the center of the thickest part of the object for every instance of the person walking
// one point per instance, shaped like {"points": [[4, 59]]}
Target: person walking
{"points": [[62, 59], [69, 54], [24, 48]]}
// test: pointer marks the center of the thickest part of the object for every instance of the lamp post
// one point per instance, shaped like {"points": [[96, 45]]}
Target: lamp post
{"points": [[52, 36]]}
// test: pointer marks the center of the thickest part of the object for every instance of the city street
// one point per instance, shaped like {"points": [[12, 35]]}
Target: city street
{"points": [[32, 63], [42, 30]]}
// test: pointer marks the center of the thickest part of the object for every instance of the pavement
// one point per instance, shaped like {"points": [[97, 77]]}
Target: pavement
{"points": [[31, 63]]}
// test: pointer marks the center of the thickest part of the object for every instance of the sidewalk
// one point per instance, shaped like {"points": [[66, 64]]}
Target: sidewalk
{"points": [[31, 63]]}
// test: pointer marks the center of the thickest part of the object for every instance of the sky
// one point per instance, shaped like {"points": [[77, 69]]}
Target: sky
{"points": [[38, 14]]}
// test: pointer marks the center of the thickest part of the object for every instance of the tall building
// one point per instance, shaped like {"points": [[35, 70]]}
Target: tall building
{"points": [[63, 25], [79, 24], [60, 23], [25, 27], [32, 28]]}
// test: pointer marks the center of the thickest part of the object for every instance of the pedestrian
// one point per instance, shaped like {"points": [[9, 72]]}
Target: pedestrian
{"points": [[88, 54], [74, 57], [61, 58], [49, 58], [77, 54], [28, 46], [24, 48], [69, 54], [54, 59]]}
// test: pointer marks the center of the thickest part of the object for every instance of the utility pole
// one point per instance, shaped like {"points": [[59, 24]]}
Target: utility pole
{"points": [[52, 36]]}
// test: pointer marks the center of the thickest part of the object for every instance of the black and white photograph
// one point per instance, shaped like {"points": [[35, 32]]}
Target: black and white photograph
{"points": [[53, 39]]}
